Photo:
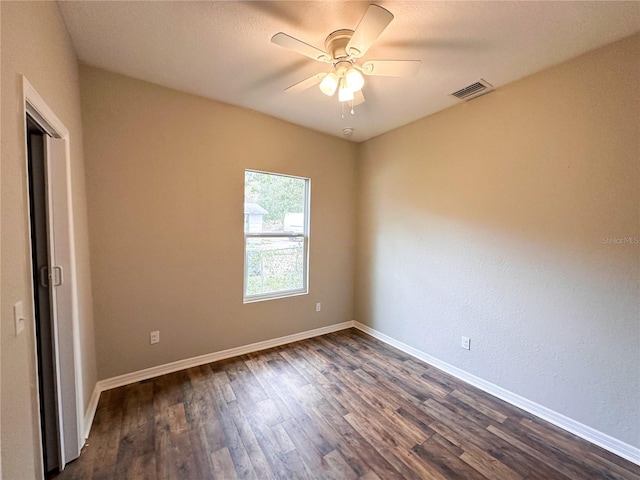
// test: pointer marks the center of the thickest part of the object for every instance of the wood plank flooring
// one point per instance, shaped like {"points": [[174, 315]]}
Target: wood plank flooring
{"points": [[340, 406]]}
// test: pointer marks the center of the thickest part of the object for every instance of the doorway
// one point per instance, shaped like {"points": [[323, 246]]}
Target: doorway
{"points": [[54, 289], [50, 432]]}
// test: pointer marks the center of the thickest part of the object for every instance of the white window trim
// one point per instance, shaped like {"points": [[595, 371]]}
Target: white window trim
{"points": [[304, 290]]}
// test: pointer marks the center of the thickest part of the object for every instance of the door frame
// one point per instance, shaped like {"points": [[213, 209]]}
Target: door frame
{"points": [[34, 105]]}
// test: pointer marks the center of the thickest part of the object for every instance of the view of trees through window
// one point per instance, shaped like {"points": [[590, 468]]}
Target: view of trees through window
{"points": [[275, 209]]}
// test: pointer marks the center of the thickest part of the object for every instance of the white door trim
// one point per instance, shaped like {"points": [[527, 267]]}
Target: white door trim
{"points": [[35, 106]]}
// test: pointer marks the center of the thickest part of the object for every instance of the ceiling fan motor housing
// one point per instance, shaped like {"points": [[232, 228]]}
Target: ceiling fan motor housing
{"points": [[336, 44]]}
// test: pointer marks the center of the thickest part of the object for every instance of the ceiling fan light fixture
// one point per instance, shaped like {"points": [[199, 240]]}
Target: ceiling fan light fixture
{"points": [[354, 80], [345, 94], [329, 84]]}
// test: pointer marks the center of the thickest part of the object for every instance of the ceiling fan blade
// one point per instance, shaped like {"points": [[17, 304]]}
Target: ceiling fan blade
{"points": [[358, 98], [391, 68], [373, 23], [308, 83], [299, 46]]}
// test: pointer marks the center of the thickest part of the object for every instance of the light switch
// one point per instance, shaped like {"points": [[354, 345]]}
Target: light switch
{"points": [[18, 317]]}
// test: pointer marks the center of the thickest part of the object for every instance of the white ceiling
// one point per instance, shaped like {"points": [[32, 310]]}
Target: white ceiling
{"points": [[222, 50]]}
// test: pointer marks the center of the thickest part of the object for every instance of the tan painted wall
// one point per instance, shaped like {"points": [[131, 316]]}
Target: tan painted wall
{"points": [[165, 182], [35, 43], [497, 219]]}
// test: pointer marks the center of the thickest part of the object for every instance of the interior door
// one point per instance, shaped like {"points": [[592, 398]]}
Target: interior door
{"points": [[61, 298], [54, 279]]}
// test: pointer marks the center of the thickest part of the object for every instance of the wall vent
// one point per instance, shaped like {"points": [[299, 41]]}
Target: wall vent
{"points": [[474, 90]]}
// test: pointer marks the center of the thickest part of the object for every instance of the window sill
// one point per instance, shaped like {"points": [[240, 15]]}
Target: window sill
{"points": [[275, 296]]}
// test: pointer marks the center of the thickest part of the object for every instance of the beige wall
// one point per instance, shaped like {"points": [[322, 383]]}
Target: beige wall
{"points": [[491, 219], [35, 43], [165, 183]]}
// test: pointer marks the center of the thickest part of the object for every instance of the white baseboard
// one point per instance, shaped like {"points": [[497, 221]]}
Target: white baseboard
{"points": [[613, 445], [126, 379]]}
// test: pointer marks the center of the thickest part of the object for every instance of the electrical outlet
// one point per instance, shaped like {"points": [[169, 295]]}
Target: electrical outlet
{"points": [[154, 337], [318, 306], [466, 343]]}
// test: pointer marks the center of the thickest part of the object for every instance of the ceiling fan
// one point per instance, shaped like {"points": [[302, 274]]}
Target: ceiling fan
{"points": [[343, 49]]}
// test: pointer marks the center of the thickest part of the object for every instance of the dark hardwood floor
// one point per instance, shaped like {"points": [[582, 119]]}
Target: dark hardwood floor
{"points": [[340, 406]]}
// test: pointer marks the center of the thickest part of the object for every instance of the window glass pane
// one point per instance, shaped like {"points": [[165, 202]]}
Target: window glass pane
{"points": [[276, 236], [274, 265], [273, 203]]}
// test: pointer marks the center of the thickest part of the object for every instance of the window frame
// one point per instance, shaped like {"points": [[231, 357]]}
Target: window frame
{"points": [[304, 290]]}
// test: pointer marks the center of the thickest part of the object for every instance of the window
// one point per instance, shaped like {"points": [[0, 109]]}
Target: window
{"points": [[276, 235]]}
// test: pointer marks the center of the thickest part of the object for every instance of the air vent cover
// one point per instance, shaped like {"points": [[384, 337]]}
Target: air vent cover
{"points": [[474, 90]]}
